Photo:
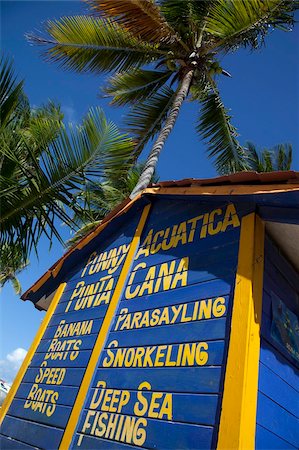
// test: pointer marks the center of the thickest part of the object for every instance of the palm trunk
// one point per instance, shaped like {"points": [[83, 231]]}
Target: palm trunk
{"points": [[152, 160]]}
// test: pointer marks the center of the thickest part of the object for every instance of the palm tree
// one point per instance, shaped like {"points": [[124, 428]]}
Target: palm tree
{"points": [[43, 164], [98, 199], [159, 52], [277, 158]]}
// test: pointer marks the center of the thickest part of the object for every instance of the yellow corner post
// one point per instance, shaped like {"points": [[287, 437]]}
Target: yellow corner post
{"points": [[75, 414], [31, 351], [238, 414]]}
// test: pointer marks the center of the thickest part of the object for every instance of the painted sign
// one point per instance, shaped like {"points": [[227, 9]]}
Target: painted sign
{"points": [[285, 327], [157, 380]]}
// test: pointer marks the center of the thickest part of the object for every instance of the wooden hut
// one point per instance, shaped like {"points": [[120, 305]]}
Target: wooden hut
{"points": [[173, 325]]}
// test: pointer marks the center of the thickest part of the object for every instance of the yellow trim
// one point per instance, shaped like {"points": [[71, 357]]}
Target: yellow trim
{"points": [[30, 353], [73, 420], [233, 189], [238, 415]]}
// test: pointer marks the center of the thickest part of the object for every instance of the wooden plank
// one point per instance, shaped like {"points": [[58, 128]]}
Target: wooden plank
{"points": [[277, 420], [278, 390], [41, 416], [96, 325], [32, 433], [202, 408], [94, 278], [265, 440], [198, 270], [7, 443], [199, 247], [280, 214], [279, 260], [87, 343], [73, 377], [282, 289], [73, 315], [56, 359], [163, 434], [170, 314], [167, 211], [212, 329], [175, 379], [66, 394], [217, 244], [203, 290], [279, 365], [89, 442], [198, 354]]}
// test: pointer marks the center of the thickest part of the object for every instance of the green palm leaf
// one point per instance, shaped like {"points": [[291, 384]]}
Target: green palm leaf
{"points": [[146, 118], [80, 234], [16, 285], [88, 44], [214, 126], [246, 22], [10, 91], [135, 85], [186, 17], [12, 261], [267, 160], [31, 202], [98, 199]]}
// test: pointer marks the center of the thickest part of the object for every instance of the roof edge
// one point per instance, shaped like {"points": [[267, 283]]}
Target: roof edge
{"points": [[224, 185]]}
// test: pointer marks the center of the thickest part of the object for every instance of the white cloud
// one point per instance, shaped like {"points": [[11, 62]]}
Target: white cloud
{"points": [[11, 364]]}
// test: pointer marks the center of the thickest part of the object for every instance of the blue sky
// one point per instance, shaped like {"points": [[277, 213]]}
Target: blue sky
{"points": [[263, 95]]}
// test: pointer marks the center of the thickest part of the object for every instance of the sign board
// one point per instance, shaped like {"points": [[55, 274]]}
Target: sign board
{"points": [[158, 375]]}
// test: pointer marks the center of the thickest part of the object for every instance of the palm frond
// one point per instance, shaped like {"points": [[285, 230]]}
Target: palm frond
{"points": [[267, 160], [16, 285], [12, 261], [98, 199], [84, 230], [246, 22], [186, 17], [34, 129], [43, 127], [31, 202], [10, 91], [285, 156], [142, 18], [221, 137], [88, 44], [146, 118], [135, 85]]}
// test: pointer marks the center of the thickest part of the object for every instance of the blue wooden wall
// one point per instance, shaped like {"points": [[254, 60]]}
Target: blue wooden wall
{"points": [[168, 400], [159, 379], [278, 391]]}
